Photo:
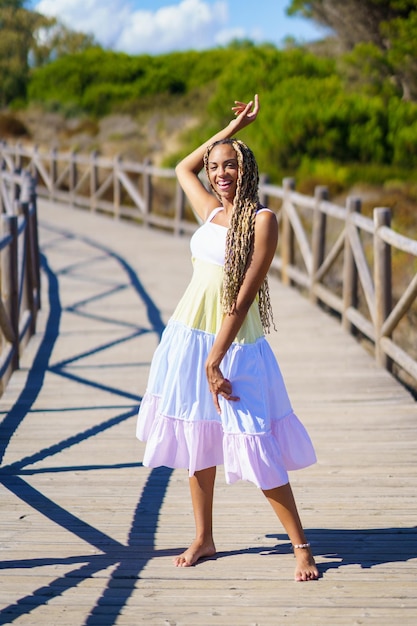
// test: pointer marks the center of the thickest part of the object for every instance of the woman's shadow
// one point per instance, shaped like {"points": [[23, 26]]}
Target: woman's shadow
{"points": [[336, 548]]}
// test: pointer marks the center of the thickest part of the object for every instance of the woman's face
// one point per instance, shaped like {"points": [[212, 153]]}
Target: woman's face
{"points": [[223, 171]]}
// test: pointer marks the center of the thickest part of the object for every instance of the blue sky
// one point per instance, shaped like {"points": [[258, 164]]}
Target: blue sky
{"points": [[156, 26]]}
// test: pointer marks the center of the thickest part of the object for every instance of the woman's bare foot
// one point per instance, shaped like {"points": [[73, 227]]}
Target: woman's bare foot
{"points": [[306, 568], [197, 550]]}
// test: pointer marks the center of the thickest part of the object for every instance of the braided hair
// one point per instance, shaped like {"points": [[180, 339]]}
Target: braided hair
{"points": [[241, 232]]}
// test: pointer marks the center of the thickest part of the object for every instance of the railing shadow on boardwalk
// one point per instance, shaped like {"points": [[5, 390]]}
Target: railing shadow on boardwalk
{"points": [[363, 547], [12, 476]]}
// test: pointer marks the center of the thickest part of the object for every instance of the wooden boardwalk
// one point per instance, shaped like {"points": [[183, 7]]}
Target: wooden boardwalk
{"points": [[88, 534]]}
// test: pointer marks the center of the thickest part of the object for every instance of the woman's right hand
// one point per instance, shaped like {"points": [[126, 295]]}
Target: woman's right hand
{"points": [[219, 386]]}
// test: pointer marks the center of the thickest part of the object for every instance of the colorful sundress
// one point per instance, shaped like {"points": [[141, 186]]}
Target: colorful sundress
{"points": [[257, 438]]}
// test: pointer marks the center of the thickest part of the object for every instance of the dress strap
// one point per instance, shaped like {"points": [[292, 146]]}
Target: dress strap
{"points": [[214, 213], [263, 209], [220, 208]]}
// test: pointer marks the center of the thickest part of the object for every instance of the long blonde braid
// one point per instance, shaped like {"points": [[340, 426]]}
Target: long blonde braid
{"points": [[240, 234]]}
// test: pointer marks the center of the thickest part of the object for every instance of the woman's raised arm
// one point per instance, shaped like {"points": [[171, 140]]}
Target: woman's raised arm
{"points": [[188, 169]]}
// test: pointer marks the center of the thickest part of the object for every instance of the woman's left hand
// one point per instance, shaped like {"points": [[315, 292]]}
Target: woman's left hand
{"points": [[246, 113], [219, 386]]}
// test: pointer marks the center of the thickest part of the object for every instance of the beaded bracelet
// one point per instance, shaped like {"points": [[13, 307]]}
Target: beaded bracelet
{"points": [[301, 545]]}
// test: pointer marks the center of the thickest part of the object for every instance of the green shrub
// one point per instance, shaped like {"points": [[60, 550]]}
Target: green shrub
{"points": [[311, 117], [325, 172], [98, 80]]}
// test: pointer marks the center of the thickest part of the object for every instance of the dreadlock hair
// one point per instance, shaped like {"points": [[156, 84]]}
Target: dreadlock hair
{"points": [[241, 232]]}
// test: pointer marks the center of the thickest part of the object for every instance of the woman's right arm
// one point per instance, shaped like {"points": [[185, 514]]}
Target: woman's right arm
{"points": [[187, 170]]}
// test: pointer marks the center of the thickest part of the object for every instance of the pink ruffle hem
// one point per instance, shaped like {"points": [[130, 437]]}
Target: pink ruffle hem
{"points": [[261, 458]]}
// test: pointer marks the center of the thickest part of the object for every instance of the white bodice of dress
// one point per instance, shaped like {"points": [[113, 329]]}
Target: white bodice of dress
{"points": [[209, 241]]}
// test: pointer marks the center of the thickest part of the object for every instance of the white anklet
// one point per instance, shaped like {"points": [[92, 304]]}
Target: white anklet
{"points": [[301, 545]]}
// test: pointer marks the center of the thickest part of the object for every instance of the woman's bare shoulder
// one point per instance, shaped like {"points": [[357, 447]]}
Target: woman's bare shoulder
{"points": [[266, 226], [265, 216]]}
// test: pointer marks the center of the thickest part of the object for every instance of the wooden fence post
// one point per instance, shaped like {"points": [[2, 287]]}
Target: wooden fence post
{"points": [[350, 272], [33, 165], [263, 196], [15, 192], [94, 182], [18, 158], [147, 191], [73, 175], [31, 271], [117, 192], [179, 208], [35, 239], [287, 234], [382, 282], [54, 171], [318, 241], [9, 280]]}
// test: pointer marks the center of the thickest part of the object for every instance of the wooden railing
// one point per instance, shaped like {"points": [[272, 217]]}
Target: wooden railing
{"points": [[19, 268], [122, 189], [339, 257], [343, 261]]}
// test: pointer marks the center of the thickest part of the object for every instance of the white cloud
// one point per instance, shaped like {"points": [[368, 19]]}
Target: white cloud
{"points": [[118, 25], [227, 35]]}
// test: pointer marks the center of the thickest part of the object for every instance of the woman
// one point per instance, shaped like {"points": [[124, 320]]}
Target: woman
{"points": [[215, 394]]}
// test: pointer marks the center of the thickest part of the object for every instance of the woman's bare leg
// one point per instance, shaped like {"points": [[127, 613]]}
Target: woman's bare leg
{"points": [[283, 503], [202, 489]]}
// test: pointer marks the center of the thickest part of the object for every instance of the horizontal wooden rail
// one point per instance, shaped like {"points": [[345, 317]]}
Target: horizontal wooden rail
{"points": [[339, 257]]}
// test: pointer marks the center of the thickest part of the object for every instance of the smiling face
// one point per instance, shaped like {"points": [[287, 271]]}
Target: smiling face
{"points": [[223, 171]]}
